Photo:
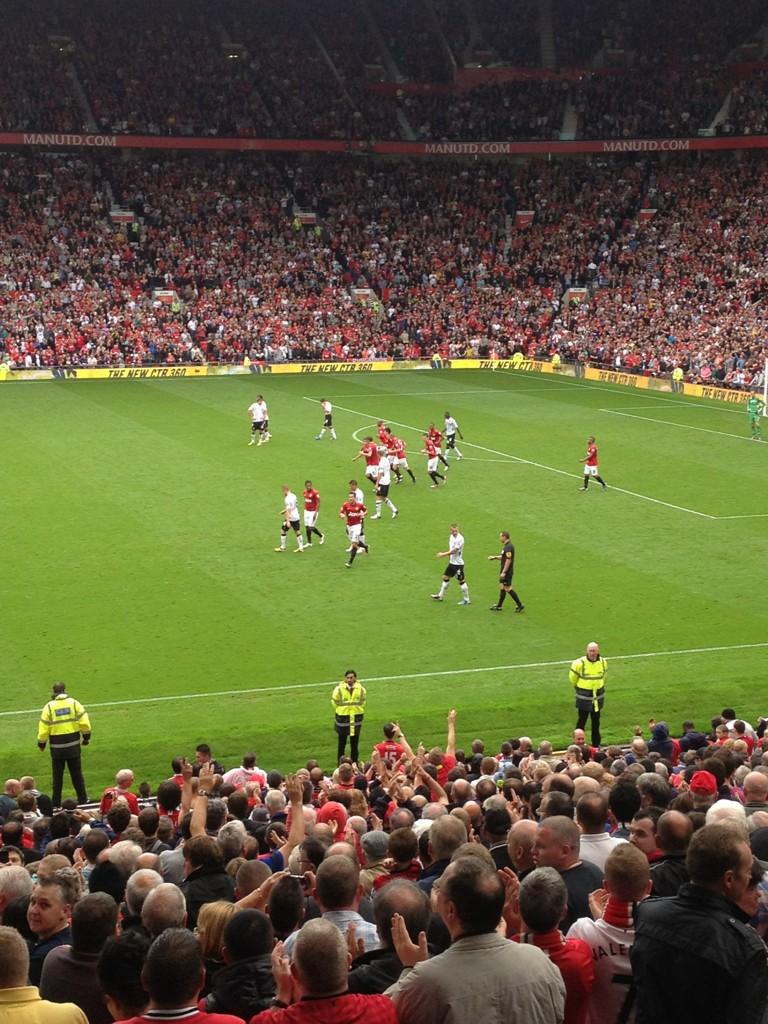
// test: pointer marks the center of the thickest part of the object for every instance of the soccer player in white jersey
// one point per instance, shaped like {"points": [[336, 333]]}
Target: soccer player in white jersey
{"points": [[455, 567], [327, 420], [383, 481], [257, 422], [451, 428], [355, 489], [265, 434], [291, 519]]}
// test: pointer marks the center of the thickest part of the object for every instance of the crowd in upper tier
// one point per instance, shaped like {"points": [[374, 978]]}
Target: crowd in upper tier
{"points": [[667, 255], [308, 70]]}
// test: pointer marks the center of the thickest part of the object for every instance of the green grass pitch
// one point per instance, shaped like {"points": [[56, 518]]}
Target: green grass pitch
{"points": [[138, 564]]}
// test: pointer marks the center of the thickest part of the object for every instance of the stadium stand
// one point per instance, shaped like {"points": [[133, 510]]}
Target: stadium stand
{"points": [[437, 244], [365, 842]]}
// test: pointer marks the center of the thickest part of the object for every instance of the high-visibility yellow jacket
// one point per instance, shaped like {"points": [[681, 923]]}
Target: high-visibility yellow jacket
{"points": [[349, 705], [63, 721], [588, 680]]}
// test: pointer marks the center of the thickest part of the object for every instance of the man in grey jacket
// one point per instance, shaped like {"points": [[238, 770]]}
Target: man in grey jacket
{"points": [[482, 976]]}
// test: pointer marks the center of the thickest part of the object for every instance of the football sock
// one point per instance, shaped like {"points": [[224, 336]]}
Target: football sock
{"points": [[410, 474], [378, 507], [465, 591], [515, 598], [443, 587], [502, 595], [333, 433], [586, 482], [352, 554], [600, 480], [389, 504], [443, 460]]}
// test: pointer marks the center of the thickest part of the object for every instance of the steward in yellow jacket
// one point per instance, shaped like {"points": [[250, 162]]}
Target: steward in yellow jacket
{"points": [[587, 676], [348, 702], [64, 723]]}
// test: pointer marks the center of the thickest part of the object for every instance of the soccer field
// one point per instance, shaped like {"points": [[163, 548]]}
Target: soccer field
{"points": [[138, 564]]}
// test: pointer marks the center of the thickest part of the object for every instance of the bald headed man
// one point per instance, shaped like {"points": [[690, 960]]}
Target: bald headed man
{"points": [[587, 677], [755, 792], [669, 872], [520, 846]]}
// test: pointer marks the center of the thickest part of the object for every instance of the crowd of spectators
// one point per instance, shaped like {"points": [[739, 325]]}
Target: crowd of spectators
{"points": [[654, 100], [303, 70], [430, 886], [748, 107], [35, 92], [688, 30], [515, 110], [412, 41], [434, 245], [510, 32]]}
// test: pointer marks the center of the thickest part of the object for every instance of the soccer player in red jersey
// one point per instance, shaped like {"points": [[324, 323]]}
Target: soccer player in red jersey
{"points": [[383, 432], [437, 438], [398, 457], [370, 452], [431, 451], [311, 512], [354, 512], [590, 465]]}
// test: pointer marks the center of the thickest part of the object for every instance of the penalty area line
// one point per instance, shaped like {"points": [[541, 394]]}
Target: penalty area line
{"points": [[278, 688], [671, 423]]}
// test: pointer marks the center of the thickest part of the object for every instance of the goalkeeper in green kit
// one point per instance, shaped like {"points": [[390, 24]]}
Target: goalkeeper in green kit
{"points": [[755, 407]]}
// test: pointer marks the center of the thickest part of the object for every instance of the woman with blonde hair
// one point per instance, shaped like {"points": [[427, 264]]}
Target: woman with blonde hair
{"points": [[211, 922]]}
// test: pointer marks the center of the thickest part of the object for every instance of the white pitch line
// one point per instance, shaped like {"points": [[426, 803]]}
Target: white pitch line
{"points": [[530, 462], [671, 423], [753, 515], [400, 678], [409, 394], [368, 426], [680, 406], [470, 458]]}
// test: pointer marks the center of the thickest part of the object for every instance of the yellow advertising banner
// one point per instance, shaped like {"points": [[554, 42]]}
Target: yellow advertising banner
{"points": [[627, 380], [107, 373], [518, 362], [720, 394], [318, 368]]}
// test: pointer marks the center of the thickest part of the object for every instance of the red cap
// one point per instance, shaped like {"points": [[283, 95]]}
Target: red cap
{"points": [[703, 782]]}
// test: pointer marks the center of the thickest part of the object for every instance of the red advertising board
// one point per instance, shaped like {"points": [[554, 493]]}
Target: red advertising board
{"points": [[68, 140]]}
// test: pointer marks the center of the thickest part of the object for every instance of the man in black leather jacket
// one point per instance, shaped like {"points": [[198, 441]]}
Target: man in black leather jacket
{"points": [[695, 958]]}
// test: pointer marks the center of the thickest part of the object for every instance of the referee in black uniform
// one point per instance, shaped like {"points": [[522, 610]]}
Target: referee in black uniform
{"points": [[507, 559]]}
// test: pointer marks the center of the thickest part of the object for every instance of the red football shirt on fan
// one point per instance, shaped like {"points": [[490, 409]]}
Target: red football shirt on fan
{"points": [[370, 453], [390, 752], [449, 763], [592, 455], [431, 449], [354, 512], [311, 499]]}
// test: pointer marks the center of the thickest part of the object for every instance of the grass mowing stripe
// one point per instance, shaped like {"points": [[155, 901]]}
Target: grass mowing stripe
{"points": [[539, 465], [398, 678]]}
